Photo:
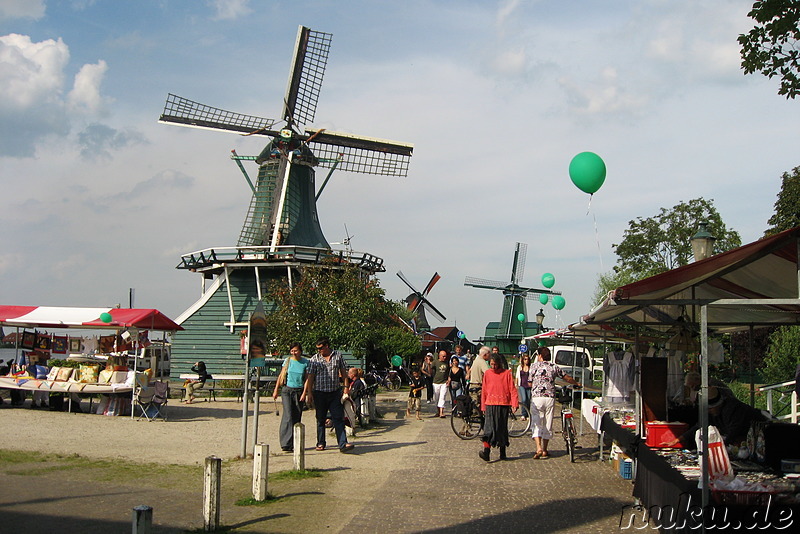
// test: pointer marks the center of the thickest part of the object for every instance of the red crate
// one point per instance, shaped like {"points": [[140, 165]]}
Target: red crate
{"points": [[658, 433]]}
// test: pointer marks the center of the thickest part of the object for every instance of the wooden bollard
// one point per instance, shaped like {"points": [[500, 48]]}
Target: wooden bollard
{"points": [[299, 447], [142, 519], [260, 471], [211, 493]]}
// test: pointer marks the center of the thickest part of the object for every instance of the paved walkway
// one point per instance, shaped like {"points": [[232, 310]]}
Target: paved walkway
{"points": [[404, 476]]}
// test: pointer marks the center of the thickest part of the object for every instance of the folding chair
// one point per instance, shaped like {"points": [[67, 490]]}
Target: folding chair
{"points": [[151, 400]]}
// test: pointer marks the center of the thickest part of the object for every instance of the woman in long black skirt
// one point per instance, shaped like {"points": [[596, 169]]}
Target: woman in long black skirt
{"points": [[498, 396]]}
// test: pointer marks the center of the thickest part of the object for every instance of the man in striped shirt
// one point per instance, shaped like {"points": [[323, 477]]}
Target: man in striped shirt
{"points": [[325, 371]]}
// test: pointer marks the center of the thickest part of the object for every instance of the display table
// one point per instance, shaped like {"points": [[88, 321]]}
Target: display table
{"points": [[56, 386]]}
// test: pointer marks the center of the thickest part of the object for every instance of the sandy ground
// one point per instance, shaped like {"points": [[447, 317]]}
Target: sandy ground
{"points": [[399, 469]]}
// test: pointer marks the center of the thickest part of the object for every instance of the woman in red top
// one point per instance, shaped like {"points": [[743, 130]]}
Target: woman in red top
{"points": [[498, 396]]}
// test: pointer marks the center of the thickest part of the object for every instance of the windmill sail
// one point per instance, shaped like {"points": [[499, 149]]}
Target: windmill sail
{"points": [[305, 77]]}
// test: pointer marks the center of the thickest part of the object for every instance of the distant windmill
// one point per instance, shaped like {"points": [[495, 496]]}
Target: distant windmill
{"points": [[510, 329], [281, 235], [346, 241], [418, 302]]}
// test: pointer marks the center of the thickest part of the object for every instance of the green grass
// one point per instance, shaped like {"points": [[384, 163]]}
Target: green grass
{"points": [[249, 501], [31, 463], [295, 474]]}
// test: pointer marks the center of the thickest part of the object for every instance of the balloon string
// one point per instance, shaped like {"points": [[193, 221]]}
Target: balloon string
{"points": [[589, 207], [597, 239]]}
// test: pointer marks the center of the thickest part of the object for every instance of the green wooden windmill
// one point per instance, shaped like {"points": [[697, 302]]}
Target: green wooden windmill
{"points": [[509, 331], [281, 234]]}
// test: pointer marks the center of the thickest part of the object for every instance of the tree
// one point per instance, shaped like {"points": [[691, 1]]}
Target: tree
{"points": [[610, 281], [657, 244], [771, 47], [339, 302], [787, 207], [783, 354]]}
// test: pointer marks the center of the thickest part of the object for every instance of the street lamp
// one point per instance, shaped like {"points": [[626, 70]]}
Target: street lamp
{"points": [[702, 242], [539, 320]]}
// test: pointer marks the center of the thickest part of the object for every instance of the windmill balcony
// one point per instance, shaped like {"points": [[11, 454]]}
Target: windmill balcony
{"points": [[215, 259]]}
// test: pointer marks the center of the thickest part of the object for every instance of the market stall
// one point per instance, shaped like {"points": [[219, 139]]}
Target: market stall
{"points": [[34, 349], [749, 287]]}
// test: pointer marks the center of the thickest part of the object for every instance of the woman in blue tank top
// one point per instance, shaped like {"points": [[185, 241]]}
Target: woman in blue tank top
{"points": [[293, 393]]}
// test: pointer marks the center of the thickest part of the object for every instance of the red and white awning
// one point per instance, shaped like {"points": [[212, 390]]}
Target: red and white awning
{"points": [[63, 317]]}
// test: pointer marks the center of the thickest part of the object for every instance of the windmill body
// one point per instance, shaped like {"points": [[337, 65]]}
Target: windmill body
{"points": [[281, 234], [509, 331]]}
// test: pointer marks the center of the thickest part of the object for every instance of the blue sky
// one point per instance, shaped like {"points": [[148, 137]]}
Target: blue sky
{"points": [[497, 97]]}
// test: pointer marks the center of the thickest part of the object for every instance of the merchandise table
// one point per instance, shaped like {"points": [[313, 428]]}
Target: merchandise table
{"points": [[56, 386]]}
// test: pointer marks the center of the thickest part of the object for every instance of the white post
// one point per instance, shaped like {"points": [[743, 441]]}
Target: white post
{"points": [[211, 493], [256, 400], [142, 519], [260, 471], [299, 447], [794, 407]]}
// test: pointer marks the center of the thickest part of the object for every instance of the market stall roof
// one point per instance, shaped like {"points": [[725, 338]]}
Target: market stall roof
{"points": [[68, 317], [765, 270]]}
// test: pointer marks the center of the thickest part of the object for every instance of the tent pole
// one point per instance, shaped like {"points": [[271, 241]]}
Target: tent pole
{"points": [[703, 451], [750, 356]]}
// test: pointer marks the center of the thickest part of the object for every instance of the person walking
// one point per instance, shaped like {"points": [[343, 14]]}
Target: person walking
{"points": [[498, 396], [440, 382], [456, 378], [427, 369], [522, 381], [292, 386], [542, 378], [325, 371]]}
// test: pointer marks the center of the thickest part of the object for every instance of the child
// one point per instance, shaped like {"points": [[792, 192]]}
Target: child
{"points": [[415, 395]]}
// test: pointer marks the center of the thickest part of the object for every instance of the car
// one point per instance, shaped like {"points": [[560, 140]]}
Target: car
{"points": [[574, 361]]}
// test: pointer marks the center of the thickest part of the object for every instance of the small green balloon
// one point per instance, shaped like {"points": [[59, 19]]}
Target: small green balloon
{"points": [[548, 280], [588, 172], [106, 317], [559, 302], [543, 298], [521, 317], [397, 361], [542, 343]]}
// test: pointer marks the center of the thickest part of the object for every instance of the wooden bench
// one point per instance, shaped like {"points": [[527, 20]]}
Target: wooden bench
{"points": [[212, 387]]}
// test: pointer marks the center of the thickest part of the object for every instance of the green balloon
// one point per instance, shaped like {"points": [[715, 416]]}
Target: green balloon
{"points": [[548, 281], [106, 317], [397, 361], [521, 317], [542, 343], [559, 302], [588, 172], [543, 298]]}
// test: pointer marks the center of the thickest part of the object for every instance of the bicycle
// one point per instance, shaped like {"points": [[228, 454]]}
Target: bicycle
{"points": [[564, 396], [467, 419]]}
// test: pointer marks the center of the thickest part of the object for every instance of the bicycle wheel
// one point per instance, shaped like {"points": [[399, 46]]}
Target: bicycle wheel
{"points": [[516, 426], [569, 438], [466, 426]]}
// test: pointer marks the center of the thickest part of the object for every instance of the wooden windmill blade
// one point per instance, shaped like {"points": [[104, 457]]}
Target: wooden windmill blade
{"points": [[418, 301], [484, 283], [305, 76], [518, 267], [184, 112], [356, 153]]}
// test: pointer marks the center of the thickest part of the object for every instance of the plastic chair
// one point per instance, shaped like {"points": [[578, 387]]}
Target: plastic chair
{"points": [[151, 400]]}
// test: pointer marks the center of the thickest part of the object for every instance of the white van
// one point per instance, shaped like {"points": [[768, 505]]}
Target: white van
{"points": [[155, 356], [574, 361]]}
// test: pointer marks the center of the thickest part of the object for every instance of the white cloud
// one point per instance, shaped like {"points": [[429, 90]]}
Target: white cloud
{"points": [[21, 9], [231, 9], [85, 93], [32, 86], [30, 72]]}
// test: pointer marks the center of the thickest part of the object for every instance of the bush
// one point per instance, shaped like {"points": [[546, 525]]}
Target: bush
{"points": [[783, 355]]}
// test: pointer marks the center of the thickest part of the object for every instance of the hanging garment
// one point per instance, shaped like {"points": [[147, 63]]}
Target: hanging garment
{"points": [[619, 375]]}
